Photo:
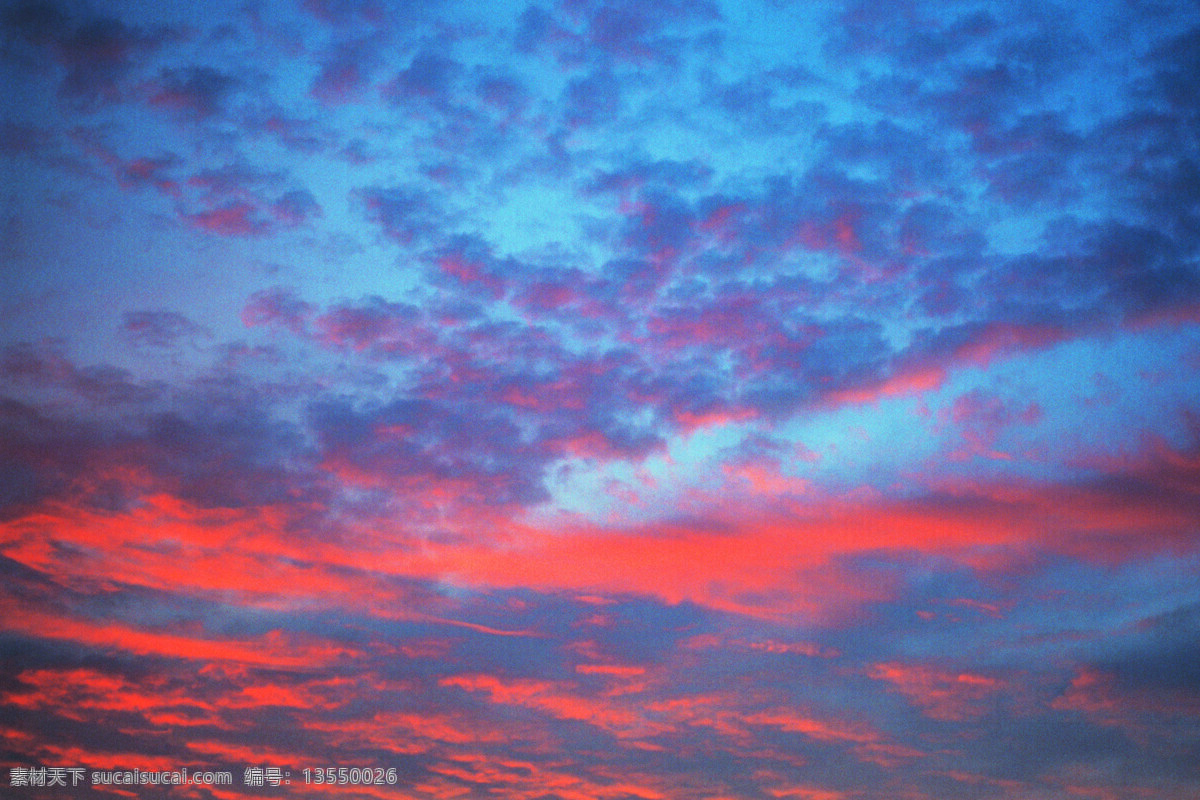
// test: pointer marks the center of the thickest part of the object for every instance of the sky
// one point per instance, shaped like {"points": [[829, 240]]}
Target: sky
{"points": [[602, 399]]}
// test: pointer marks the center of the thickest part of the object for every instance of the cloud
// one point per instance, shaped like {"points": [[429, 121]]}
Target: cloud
{"points": [[213, 447], [196, 93], [45, 367], [429, 452], [346, 71], [160, 328], [982, 420], [277, 306], [554, 701], [430, 76], [577, 33], [295, 207], [237, 199], [941, 694], [591, 100], [339, 13], [406, 215], [98, 53]]}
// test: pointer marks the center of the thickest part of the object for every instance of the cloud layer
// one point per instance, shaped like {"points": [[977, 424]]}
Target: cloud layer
{"points": [[601, 400]]}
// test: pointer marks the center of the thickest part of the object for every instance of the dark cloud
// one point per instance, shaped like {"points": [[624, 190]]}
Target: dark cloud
{"points": [[773, 102], [160, 328], [295, 207], [407, 215], [98, 53], [1165, 663], [429, 76], [231, 457], [938, 230], [427, 449], [212, 444], [29, 475], [505, 93], [592, 100], [634, 32], [1164, 150], [346, 71], [18, 139], [631, 178], [536, 28], [1107, 267], [238, 199], [196, 93], [563, 401], [301, 135], [38, 22], [46, 367], [342, 13], [619, 31], [904, 156]]}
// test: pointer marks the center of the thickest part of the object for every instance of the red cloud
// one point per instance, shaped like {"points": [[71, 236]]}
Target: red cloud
{"points": [[274, 649], [940, 693], [558, 702]]}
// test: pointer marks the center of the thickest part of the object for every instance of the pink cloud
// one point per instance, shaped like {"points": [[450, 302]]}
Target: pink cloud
{"points": [[941, 694]]}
